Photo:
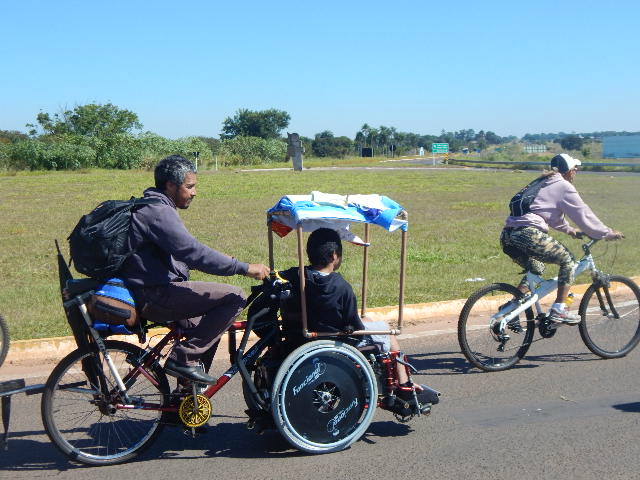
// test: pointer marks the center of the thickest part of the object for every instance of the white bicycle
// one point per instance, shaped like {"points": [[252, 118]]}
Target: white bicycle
{"points": [[497, 323]]}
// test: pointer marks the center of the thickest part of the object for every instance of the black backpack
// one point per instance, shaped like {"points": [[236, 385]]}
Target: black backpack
{"points": [[99, 242], [520, 203]]}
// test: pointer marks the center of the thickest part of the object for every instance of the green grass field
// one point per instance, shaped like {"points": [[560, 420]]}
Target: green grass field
{"points": [[455, 220]]}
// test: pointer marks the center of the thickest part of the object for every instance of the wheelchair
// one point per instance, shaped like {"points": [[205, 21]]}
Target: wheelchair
{"points": [[321, 395], [321, 389]]}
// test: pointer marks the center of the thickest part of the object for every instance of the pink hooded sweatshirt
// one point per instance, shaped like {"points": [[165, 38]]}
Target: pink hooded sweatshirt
{"points": [[558, 198]]}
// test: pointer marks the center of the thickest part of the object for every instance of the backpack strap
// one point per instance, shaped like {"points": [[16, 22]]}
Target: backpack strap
{"points": [[521, 202], [142, 201]]}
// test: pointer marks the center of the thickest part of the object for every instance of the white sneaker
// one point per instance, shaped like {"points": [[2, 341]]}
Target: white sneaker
{"points": [[564, 317]]}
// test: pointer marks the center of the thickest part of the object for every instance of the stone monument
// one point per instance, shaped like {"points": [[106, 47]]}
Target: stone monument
{"points": [[295, 150]]}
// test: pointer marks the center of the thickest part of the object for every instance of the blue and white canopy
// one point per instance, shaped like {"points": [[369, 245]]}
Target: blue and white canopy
{"points": [[318, 210]]}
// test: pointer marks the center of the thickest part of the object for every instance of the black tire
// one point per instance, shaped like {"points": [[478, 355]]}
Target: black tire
{"points": [[612, 332], [324, 396], [477, 340], [263, 372], [4, 340], [82, 423]]}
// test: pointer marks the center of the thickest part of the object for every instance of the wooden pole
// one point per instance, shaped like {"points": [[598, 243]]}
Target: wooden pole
{"points": [[303, 297], [365, 271], [270, 241], [403, 263]]}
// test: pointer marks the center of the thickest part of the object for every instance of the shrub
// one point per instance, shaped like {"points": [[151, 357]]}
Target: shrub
{"points": [[154, 148], [252, 151], [4, 156], [37, 155]]}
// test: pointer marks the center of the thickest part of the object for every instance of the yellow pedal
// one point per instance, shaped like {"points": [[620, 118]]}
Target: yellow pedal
{"points": [[195, 415]]}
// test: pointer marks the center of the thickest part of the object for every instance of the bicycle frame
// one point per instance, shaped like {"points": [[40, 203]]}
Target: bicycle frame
{"points": [[543, 287], [239, 359], [151, 356]]}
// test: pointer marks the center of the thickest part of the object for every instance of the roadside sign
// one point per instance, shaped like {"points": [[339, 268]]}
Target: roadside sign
{"points": [[439, 148]]}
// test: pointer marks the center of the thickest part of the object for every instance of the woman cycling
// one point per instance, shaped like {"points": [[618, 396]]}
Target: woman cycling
{"points": [[525, 235]]}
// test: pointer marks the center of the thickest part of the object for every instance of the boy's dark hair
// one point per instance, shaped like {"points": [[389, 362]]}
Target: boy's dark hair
{"points": [[172, 169], [321, 245]]}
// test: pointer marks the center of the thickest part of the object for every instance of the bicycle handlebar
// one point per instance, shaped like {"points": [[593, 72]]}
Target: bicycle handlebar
{"points": [[587, 246]]}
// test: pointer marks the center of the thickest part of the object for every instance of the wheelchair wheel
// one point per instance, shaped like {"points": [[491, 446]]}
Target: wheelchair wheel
{"points": [[324, 396]]}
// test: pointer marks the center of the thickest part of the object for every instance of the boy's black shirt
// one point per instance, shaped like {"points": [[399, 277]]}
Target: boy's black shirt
{"points": [[331, 303]]}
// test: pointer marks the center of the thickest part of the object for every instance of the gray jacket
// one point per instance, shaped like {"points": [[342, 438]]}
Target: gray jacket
{"points": [[166, 251]]}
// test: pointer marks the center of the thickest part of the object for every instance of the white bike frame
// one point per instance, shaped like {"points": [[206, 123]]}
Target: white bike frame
{"points": [[541, 288]]}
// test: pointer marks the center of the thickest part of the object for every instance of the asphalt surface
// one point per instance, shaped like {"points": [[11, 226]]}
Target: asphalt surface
{"points": [[560, 413]]}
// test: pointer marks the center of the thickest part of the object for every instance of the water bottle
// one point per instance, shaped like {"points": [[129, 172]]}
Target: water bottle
{"points": [[569, 299]]}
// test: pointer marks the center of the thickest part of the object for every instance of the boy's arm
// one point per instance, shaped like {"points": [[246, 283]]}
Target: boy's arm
{"points": [[350, 311]]}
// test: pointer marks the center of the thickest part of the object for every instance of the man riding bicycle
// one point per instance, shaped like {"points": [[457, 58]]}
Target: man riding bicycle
{"points": [[158, 272], [525, 235]]}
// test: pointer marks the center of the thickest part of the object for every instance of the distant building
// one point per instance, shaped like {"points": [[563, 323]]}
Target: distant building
{"points": [[627, 146], [535, 148]]}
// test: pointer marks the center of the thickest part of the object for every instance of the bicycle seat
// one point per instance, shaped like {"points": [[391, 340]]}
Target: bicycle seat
{"points": [[76, 286]]}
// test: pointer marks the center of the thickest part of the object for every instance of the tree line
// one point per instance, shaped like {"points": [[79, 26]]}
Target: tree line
{"points": [[107, 136]]}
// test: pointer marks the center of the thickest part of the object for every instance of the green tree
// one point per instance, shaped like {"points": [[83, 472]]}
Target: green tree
{"points": [[92, 120], [102, 127], [12, 136], [571, 142], [492, 138], [212, 143], [327, 145], [248, 123]]}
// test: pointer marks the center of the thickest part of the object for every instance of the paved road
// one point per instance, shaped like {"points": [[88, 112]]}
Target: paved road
{"points": [[561, 413]]}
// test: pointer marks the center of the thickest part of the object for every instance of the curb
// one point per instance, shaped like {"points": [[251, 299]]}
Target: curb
{"points": [[414, 314]]}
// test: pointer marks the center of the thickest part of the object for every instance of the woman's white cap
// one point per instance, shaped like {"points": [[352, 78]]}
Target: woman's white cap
{"points": [[564, 162]]}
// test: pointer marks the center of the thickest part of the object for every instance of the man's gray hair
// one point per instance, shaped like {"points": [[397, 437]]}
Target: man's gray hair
{"points": [[172, 169]]}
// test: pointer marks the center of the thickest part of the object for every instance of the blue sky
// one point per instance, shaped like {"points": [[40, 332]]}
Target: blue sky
{"points": [[420, 66]]}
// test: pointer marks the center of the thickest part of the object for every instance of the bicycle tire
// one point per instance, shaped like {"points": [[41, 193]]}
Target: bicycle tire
{"points": [[260, 381], [85, 427], [602, 333], [4, 340], [474, 329]]}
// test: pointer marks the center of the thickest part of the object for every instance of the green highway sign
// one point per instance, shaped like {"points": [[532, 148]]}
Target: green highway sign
{"points": [[439, 148]]}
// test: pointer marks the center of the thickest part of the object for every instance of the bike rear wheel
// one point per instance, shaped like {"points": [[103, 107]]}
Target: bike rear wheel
{"points": [[4, 340], [81, 406], [610, 325], [481, 341]]}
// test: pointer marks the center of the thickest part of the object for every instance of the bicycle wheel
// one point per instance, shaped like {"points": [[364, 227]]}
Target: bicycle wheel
{"points": [[481, 341], [80, 406], [4, 340], [610, 325]]}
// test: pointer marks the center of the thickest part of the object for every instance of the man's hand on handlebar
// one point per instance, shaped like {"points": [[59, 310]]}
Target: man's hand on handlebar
{"points": [[577, 234], [614, 235], [258, 271]]}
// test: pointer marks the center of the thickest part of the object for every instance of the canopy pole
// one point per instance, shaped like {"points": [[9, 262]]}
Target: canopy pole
{"points": [[365, 271], [270, 240], [303, 297], [403, 263]]}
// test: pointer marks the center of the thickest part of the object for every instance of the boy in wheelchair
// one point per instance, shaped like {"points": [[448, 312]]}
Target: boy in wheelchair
{"points": [[332, 307]]}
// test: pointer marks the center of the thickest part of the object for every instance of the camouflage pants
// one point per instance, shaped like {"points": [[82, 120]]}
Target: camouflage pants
{"points": [[531, 249]]}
